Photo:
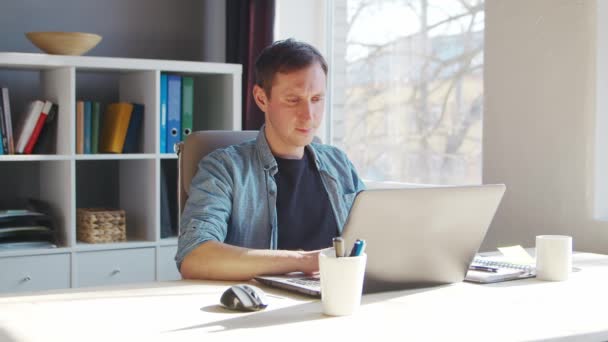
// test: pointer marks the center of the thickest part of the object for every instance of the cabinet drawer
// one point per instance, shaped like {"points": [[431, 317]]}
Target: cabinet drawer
{"points": [[34, 273], [167, 270], [119, 266]]}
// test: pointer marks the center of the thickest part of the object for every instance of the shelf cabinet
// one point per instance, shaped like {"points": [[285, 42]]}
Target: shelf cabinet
{"points": [[66, 180]]}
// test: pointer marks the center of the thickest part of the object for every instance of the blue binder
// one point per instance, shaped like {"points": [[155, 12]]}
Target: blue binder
{"points": [[174, 111], [163, 113]]}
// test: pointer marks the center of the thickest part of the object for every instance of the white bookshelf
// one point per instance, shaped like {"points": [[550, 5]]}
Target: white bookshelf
{"points": [[67, 180]]}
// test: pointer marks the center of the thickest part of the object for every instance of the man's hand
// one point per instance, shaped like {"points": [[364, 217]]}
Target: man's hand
{"points": [[310, 261]]}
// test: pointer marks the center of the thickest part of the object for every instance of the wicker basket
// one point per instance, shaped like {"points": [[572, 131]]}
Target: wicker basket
{"points": [[99, 225]]}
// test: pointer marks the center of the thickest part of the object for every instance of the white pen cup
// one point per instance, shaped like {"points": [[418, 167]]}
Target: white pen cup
{"points": [[553, 257], [341, 282]]}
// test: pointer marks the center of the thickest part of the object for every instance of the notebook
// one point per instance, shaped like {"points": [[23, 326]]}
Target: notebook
{"points": [[415, 237], [504, 270]]}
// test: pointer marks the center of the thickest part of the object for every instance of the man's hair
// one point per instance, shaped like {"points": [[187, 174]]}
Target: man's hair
{"points": [[284, 56]]}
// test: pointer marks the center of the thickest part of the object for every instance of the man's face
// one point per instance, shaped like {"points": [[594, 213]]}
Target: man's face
{"points": [[294, 110]]}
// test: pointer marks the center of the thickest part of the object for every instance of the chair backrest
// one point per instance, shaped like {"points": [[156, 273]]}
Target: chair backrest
{"points": [[195, 147]]}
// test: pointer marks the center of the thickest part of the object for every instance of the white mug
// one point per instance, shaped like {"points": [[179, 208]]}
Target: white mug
{"points": [[341, 282], [553, 257]]}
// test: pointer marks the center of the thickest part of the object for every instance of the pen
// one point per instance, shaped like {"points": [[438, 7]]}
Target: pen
{"points": [[483, 268], [353, 251], [339, 246], [357, 248], [361, 247]]}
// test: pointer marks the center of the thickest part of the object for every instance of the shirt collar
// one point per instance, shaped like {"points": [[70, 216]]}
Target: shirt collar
{"points": [[266, 156]]}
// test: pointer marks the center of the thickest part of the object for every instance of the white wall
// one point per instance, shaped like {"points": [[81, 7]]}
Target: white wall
{"points": [[305, 21], [302, 20], [539, 121]]}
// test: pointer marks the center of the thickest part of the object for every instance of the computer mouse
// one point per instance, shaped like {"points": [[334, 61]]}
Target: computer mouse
{"points": [[244, 297]]}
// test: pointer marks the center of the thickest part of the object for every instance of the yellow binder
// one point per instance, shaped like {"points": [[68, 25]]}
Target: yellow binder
{"points": [[115, 125]]}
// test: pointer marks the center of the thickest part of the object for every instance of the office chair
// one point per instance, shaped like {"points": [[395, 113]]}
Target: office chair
{"points": [[195, 147]]}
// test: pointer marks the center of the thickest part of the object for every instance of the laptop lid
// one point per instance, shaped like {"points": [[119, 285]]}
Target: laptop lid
{"points": [[415, 237], [420, 237]]}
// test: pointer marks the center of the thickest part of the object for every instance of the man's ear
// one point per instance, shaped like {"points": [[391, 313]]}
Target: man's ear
{"points": [[259, 95]]}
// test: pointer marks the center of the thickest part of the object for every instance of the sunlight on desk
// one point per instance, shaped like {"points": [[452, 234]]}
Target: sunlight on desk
{"points": [[190, 311]]}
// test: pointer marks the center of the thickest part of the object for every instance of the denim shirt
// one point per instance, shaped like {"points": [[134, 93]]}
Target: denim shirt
{"points": [[233, 195]]}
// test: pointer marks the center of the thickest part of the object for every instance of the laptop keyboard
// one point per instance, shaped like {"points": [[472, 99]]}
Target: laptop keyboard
{"points": [[311, 282]]}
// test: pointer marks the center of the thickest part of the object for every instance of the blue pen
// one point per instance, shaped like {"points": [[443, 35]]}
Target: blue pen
{"points": [[353, 251], [357, 248], [362, 248]]}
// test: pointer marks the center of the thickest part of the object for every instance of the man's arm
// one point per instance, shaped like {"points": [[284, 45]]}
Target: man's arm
{"points": [[219, 261]]}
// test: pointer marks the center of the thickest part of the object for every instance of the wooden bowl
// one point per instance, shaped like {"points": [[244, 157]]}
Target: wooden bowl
{"points": [[64, 43]]}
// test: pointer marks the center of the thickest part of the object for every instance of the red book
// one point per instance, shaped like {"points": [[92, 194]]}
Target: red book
{"points": [[39, 124]]}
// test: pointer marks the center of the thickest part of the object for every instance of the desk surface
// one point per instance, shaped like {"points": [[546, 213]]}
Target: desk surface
{"points": [[188, 311]]}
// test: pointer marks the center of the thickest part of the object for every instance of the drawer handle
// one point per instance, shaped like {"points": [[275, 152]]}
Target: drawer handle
{"points": [[26, 278], [115, 271]]}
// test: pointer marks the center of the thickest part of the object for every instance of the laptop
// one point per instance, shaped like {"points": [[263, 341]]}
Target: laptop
{"points": [[415, 237]]}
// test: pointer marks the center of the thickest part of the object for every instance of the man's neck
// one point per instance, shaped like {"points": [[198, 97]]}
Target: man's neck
{"points": [[282, 151]]}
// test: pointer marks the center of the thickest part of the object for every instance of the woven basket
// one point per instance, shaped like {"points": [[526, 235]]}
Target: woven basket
{"points": [[99, 225]]}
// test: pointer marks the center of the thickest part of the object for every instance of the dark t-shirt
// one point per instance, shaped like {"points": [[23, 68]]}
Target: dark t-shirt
{"points": [[304, 214]]}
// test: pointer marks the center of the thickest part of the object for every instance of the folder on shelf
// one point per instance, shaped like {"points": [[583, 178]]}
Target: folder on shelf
{"points": [[29, 147], [95, 123], [114, 128], [163, 113], [79, 127], [132, 138], [27, 124], [87, 127], [2, 133], [8, 121], [174, 112], [187, 106]]}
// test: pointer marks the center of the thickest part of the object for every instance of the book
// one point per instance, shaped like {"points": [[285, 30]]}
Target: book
{"points": [[114, 128], [29, 147], [47, 140], [95, 123], [27, 125], [132, 138], [503, 270], [87, 127], [166, 228], [6, 106], [174, 111], [187, 106], [2, 134], [163, 113], [80, 127]]}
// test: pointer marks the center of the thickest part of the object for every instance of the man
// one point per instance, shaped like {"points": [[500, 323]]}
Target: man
{"points": [[268, 206]]}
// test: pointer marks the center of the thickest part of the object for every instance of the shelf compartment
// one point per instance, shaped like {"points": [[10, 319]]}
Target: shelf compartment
{"points": [[120, 184], [108, 87], [47, 181], [168, 199], [53, 84]]}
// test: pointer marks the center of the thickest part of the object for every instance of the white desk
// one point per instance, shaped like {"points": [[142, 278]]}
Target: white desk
{"points": [[188, 311]]}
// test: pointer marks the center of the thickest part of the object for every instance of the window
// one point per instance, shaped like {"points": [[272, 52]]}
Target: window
{"points": [[407, 94]]}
